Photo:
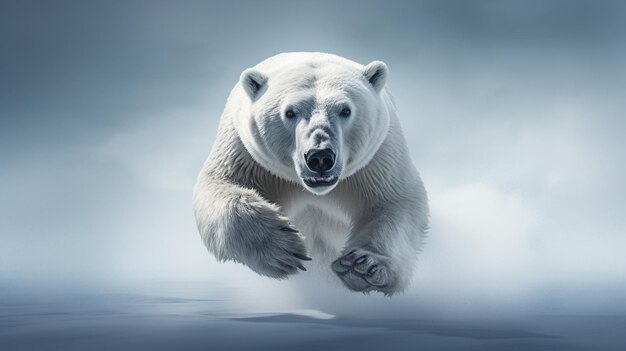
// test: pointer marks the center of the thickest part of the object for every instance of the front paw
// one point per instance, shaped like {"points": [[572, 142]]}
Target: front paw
{"points": [[278, 248], [363, 270]]}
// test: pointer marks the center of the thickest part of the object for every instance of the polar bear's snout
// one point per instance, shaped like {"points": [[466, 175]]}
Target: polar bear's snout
{"points": [[320, 161], [318, 157]]}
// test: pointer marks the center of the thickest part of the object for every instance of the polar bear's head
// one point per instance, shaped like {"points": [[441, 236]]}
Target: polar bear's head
{"points": [[314, 122]]}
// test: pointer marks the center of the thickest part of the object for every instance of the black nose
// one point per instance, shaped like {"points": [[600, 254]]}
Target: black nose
{"points": [[320, 161]]}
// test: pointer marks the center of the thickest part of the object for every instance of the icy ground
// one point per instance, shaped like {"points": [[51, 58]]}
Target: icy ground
{"points": [[114, 321]]}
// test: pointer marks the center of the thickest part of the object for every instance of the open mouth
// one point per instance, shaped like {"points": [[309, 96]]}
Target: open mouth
{"points": [[320, 181]]}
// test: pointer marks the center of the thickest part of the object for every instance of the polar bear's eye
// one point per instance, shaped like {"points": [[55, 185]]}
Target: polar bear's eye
{"points": [[290, 114], [345, 112]]}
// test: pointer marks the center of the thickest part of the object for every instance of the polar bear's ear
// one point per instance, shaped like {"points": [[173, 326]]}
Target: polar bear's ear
{"points": [[376, 73], [252, 81]]}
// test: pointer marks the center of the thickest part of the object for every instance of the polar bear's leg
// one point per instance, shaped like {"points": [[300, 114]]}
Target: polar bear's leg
{"points": [[237, 224]]}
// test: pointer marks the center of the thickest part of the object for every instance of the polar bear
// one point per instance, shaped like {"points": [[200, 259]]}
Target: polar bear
{"points": [[310, 159]]}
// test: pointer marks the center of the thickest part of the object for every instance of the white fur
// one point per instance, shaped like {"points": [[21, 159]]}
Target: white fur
{"points": [[250, 196]]}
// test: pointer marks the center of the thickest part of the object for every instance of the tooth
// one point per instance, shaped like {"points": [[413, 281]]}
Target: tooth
{"points": [[313, 180]]}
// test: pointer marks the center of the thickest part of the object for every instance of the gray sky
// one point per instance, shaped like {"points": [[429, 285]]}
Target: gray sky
{"points": [[514, 112]]}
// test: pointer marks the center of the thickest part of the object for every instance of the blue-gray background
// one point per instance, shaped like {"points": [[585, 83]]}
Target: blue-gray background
{"points": [[514, 112]]}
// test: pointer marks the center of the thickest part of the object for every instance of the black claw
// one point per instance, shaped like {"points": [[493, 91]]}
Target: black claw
{"points": [[360, 259], [302, 257], [373, 270], [301, 266], [289, 229]]}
